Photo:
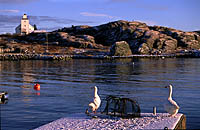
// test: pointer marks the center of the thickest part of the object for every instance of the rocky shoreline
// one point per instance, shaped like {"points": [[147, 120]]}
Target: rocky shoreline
{"points": [[21, 56]]}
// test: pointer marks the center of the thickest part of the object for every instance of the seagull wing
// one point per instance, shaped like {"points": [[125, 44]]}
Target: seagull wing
{"points": [[93, 106], [97, 101]]}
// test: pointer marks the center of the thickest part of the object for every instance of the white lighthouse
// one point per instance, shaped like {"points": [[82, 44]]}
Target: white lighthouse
{"points": [[24, 27]]}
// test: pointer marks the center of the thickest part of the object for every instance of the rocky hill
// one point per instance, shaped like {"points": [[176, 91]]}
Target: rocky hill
{"points": [[141, 38], [198, 32]]}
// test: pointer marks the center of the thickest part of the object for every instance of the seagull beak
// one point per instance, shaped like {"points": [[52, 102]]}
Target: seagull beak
{"points": [[166, 86]]}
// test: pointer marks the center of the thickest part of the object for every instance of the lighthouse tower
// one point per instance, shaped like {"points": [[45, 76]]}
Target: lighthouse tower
{"points": [[25, 24], [24, 27]]}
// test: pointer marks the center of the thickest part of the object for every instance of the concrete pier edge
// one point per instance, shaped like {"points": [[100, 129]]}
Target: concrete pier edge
{"points": [[147, 121]]}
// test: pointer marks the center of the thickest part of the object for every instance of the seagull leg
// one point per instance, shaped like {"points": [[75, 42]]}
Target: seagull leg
{"points": [[95, 111]]}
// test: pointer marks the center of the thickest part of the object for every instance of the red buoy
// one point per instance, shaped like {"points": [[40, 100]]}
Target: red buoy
{"points": [[37, 87], [37, 93]]}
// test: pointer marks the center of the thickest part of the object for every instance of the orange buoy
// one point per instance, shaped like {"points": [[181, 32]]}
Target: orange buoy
{"points": [[37, 87]]}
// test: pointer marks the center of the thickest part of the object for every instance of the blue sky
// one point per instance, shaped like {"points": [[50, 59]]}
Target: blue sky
{"points": [[54, 14]]}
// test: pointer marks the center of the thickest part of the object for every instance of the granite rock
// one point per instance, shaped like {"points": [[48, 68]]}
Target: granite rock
{"points": [[154, 38], [120, 48]]}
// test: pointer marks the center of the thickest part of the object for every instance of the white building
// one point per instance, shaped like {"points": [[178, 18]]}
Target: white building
{"points": [[24, 27]]}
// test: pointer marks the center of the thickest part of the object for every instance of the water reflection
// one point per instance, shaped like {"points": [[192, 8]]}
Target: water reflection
{"points": [[65, 87]]}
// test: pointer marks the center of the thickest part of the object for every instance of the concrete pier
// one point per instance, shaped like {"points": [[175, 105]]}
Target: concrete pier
{"points": [[146, 121]]}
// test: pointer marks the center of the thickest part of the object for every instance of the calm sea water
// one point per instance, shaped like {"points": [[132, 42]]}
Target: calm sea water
{"points": [[66, 87]]}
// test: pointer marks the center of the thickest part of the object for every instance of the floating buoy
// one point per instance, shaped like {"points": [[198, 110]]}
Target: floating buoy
{"points": [[37, 87], [37, 93]]}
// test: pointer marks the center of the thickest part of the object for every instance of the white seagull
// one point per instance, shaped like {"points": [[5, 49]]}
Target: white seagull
{"points": [[96, 101], [171, 106]]}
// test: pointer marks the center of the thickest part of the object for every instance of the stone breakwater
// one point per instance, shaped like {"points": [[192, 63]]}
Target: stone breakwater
{"points": [[20, 56], [34, 57]]}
